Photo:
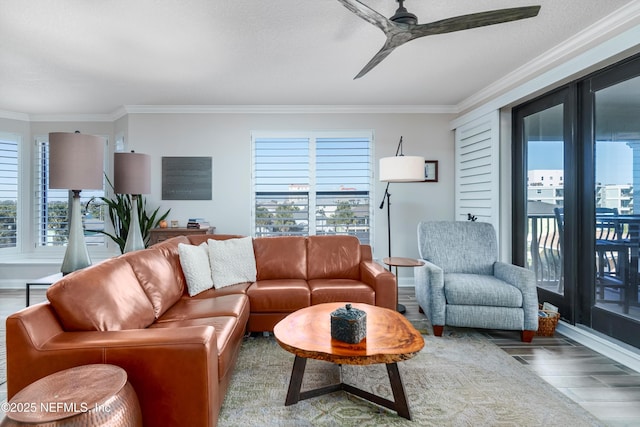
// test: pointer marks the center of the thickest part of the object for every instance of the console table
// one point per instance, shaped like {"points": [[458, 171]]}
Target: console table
{"points": [[158, 235]]}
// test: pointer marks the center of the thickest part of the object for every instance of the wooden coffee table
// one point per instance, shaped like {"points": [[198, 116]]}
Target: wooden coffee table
{"points": [[390, 339]]}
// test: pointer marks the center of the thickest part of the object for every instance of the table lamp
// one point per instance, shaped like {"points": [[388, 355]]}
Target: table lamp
{"points": [[132, 173], [75, 163]]}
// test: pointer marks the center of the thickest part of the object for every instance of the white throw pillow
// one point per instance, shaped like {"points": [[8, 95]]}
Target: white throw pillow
{"points": [[195, 265], [232, 261]]}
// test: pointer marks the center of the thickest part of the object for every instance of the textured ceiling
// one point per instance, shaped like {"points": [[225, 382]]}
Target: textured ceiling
{"points": [[69, 56]]}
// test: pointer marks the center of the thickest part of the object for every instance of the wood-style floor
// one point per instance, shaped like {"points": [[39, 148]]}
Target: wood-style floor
{"points": [[610, 391]]}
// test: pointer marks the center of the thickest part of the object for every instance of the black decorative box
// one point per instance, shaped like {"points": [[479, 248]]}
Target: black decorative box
{"points": [[349, 324]]}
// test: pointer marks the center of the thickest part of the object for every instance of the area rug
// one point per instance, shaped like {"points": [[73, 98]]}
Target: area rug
{"points": [[461, 379]]}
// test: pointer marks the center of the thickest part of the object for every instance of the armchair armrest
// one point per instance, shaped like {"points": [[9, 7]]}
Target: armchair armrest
{"points": [[382, 281], [525, 280], [429, 286]]}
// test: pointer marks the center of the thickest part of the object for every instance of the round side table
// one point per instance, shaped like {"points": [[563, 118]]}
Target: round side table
{"points": [[88, 395], [396, 262]]}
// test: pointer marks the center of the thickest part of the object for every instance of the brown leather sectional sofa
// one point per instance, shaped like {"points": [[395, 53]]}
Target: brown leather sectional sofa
{"points": [[179, 351]]}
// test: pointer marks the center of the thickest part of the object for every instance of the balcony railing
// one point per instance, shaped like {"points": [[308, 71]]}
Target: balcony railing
{"points": [[543, 252]]}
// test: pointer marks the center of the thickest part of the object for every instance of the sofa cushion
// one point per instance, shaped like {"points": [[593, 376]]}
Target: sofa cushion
{"points": [[480, 290], [187, 308], [279, 296], [195, 266], [104, 297], [337, 290], [280, 257], [229, 333], [232, 261], [169, 248], [333, 257], [239, 288], [157, 277]]}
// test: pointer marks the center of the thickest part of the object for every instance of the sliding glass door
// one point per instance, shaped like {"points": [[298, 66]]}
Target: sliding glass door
{"points": [[613, 129], [544, 132], [576, 165]]}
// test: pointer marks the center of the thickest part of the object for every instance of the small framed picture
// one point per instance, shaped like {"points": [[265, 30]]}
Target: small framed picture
{"points": [[431, 171]]}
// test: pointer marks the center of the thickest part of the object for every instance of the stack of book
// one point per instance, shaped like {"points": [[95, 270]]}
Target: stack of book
{"points": [[198, 223]]}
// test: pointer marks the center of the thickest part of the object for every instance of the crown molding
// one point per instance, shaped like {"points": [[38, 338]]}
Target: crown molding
{"points": [[4, 114], [610, 26], [233, 109], [70, 117], [290, 109]]}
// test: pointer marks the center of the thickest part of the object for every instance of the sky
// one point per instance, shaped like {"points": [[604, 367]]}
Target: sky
{"points": [[614, 160]]}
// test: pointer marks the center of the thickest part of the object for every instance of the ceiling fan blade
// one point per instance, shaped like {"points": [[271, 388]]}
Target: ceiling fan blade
{"points": [[368, 14], [388, 47], [474, 20]]}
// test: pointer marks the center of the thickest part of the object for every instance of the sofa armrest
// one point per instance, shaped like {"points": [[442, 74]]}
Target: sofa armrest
{"points": [[429, 288], [382, 281], [163, 362], [525, 280]]}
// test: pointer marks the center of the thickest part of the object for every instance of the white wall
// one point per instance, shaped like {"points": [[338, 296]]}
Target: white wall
{"points": [[227, 138]]}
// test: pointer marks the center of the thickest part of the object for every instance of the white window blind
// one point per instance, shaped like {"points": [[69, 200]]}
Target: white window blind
{"points": [[477, 170], [312, 184], [52, 206], [8, 190]]}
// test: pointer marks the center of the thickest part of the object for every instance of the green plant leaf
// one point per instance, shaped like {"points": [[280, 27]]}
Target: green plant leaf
{"points": [[119, 211]]}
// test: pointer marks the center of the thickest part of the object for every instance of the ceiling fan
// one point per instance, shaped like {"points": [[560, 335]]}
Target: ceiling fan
{"points": [[403, 25]]}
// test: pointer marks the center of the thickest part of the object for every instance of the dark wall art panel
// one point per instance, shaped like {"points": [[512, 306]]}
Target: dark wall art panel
{"points": [[187, 178]]}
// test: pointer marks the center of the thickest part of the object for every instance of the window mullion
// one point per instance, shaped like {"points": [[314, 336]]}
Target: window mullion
{"points": [[312, 186]]}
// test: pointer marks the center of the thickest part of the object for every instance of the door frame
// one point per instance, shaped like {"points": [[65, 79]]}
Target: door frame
{"points": [[566, 96]]}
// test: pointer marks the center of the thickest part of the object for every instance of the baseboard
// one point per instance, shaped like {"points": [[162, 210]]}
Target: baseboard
{"points": [[12, 284], [618, 351]]}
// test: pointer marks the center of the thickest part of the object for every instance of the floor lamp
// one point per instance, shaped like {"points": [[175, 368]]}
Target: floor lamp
{"points": [[399, 168], [76, 164], [131, 173]]}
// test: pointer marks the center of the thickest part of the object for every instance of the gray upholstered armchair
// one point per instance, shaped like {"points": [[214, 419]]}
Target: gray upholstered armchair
{"points": [[463, 284]]}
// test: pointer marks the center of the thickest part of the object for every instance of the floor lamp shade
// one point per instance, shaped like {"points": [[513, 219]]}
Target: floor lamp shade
{"points": [[75, 163], [132, 172], [402, 169]]}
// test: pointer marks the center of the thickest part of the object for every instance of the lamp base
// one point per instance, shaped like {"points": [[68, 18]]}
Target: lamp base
{"points": [[134, 236], [76, 256]]}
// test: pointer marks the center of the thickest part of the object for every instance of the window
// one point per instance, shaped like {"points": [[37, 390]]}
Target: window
{"points": [[52, 206], [8, 190], [312, 184]]}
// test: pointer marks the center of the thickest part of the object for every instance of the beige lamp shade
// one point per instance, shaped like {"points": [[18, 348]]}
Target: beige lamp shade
{"points": [[75, 161], [402, 169], [132, 173]]}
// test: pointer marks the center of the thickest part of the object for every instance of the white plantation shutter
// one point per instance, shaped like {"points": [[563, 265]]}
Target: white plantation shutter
{"points": [[313, 183], [477, 168], [281, 186], [8, 190]]}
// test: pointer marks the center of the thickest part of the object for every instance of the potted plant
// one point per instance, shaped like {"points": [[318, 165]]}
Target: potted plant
{"points": [[120, 215]]}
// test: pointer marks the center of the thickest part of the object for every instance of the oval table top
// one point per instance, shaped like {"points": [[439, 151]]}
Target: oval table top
{"points": [[396, 261], [390, 336]]}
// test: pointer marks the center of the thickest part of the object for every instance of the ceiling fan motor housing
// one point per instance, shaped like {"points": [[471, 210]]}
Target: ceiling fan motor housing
{"points": [[403, 16]]}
